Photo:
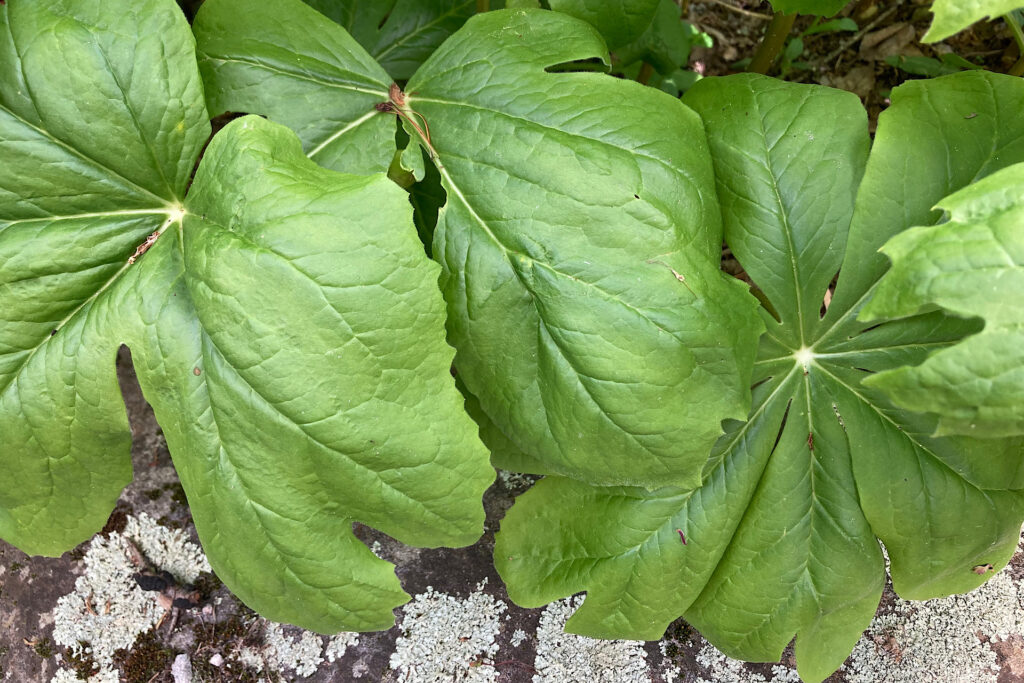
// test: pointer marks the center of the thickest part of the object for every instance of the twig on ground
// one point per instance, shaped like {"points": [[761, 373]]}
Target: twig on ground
{"points": [[740, 10], [857, 36]]}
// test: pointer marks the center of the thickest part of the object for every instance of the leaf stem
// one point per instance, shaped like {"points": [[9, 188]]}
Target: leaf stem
{"points": [[772, 43], [483, 5], [1018, 35], [646, 71]]}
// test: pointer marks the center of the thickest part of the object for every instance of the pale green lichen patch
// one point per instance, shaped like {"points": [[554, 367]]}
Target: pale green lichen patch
{"points": [[722, 669], [940, 639], [566, 657], [294, 650], [69, 676], [446, 638], [107, 610]]}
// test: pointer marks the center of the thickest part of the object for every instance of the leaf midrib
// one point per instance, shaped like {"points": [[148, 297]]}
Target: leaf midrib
{"points": [[16, 372], [353, 86]]}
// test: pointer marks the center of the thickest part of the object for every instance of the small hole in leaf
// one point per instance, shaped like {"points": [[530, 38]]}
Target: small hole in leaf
{"points": [[827, 298], [593, 64]]}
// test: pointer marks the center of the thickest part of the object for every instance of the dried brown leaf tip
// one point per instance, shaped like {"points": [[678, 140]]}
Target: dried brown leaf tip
{"points": [[982, 569]]}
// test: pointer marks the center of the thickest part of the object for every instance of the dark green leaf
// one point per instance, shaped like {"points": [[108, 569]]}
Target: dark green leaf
{"points": [[666, 43], [257, 57], [619, 21], [399, 35]]}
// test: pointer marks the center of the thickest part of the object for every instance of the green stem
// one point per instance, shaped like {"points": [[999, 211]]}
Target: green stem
{"points": [[774, 40], [646, 71], [1018, 34], [483, 5]]}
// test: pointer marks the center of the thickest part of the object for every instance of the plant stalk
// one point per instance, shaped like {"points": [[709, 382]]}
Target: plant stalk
{"points": [[646, 71], [772, 43], [483, 6]]}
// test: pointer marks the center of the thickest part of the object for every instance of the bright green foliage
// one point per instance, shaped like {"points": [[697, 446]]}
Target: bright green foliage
{"points": [[261, 58], [599, 297], [822, 8], [619, 21], [399, 34], [780, 536], [971, 266], [584, 299], [952, 16], [101, 121], [285, 324]]}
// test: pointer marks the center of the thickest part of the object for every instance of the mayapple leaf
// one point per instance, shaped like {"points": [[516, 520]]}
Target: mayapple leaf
{"points": [[972, 265], [779, 540], [399, 34], [585, 298], [101, 121], [259, 58], [618, 21], [579, 244], [284, 322], [953, 16], [361, 402]]}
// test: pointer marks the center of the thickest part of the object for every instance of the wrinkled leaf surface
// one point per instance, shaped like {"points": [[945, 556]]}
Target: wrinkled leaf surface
{"points": [[579, 248], [285, 324], [780, 538], [972, 265]]}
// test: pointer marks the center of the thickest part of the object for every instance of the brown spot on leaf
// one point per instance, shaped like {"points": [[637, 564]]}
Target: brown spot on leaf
{"points": [[982, 569]]}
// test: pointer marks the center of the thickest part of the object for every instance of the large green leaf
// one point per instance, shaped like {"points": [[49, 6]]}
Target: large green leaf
{"points": [[618, 21], [284, 322], [971, 266], [259, 59], [584, 298], [400, 34], [780, 537], [101, 120], [952, 16], [579, 245]]}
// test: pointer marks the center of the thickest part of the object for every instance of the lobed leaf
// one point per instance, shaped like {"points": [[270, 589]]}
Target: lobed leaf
{"points": [[953, 16], [780, 537], [284, 322], [101, 121], [579, 248], [585, 300], [972, 265]]}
